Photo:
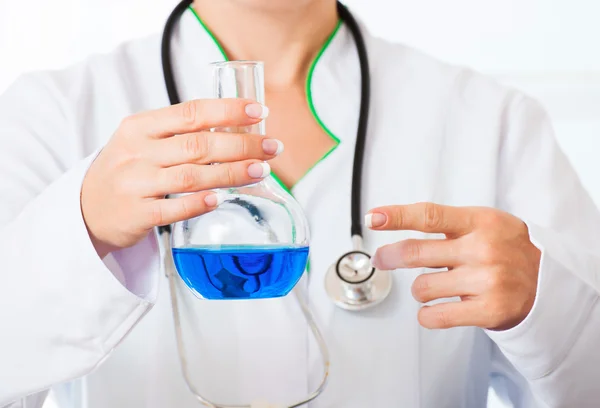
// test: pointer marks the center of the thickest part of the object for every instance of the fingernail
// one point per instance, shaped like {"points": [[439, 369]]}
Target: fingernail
{"points": [[374, 220], [259, 170], [257, 111], [272, 146], [375, 263], [214, 200]]}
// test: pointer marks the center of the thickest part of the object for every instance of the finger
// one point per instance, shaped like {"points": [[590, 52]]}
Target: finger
{"points": [[169, 211], [193, 116], [453, 314], [425, 217], [214, 147], [418, 253], [189, 178], [460, 281]]}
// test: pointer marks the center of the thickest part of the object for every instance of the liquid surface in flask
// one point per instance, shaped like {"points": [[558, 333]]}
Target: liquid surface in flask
{"points": [[241, 271]]}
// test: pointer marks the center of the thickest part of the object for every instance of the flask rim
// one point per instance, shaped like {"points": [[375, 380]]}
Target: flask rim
{"points": [[237, 63]]}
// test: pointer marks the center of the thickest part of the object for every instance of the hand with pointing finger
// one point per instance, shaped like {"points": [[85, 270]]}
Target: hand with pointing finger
{"points": [[492, 263], [170, 151]]}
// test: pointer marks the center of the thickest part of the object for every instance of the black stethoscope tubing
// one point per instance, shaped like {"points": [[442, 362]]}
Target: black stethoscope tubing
{"points": [[361, 133]]}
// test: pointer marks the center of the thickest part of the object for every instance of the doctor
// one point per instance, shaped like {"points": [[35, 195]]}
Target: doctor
{"points": [[508, 297]]}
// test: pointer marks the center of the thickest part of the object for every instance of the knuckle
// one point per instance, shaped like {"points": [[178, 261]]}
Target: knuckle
{"points": [[496, 279], [226, 176], [244, 146], [396, 218], [442, 318], [487, 252], [227, 110], [185, 211], [237, 146], [230, 176], [127, 125], [410, 251], [190, 112], [432, 215], [489, 219], [121, 186], [185, 177], [156, 215], [131, 154], [196, 146]]}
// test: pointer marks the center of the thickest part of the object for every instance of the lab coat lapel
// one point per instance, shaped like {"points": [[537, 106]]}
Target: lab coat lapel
{"points": [[193, 49], [325, 195], [334, 94]]}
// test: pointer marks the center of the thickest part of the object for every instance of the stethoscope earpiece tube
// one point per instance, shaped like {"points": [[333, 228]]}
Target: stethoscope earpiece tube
{"points": [[165, 56], [363, 118], [166, 50], [352, 283]]}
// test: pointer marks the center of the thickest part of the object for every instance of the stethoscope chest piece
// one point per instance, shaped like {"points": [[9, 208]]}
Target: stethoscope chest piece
{"points": [[354, 284]]}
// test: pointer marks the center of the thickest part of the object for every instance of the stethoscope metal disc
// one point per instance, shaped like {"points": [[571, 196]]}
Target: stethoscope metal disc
{"points": [[355, 267], [354, 284]]}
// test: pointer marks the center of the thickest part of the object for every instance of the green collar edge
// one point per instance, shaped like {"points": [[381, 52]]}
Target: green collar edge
{"points": [[308, 93]]}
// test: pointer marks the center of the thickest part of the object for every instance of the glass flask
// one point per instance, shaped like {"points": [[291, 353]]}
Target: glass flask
{"points": [[255, 244]]}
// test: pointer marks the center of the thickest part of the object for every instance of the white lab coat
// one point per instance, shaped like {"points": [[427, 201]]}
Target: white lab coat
{"points": [[101, 332]]}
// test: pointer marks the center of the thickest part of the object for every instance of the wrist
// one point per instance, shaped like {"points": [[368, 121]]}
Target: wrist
{"points": [[102, 248]]}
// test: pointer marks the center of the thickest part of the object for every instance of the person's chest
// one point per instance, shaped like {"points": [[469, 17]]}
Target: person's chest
{"points": [[291, 121], [382, 357]]}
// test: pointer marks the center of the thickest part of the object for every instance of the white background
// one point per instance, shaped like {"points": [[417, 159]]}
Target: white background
{"points": [[550, 48]]}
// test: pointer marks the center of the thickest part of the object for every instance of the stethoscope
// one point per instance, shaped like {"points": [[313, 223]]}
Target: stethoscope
{"points": [[352, 283]]}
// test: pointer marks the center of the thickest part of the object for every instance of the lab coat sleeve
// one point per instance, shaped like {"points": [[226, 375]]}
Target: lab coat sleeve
{"points": [[62, 309], [556, 347], [31, 401]]}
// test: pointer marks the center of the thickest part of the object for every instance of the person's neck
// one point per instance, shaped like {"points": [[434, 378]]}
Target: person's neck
{"points": [[286, 36]]}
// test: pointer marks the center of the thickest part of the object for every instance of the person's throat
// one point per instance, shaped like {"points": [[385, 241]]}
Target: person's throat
{"points": [[286, 36]]}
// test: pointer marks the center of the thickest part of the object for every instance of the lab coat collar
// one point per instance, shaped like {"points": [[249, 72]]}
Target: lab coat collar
{"points": [[333, 87], [333, 83]]}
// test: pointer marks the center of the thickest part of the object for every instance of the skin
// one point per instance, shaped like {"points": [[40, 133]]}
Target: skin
{"points": [[286, 35], [492, 264], [168, 151]]}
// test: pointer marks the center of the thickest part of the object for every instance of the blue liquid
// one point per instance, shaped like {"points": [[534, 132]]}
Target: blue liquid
{"points": [[241, 272]]}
